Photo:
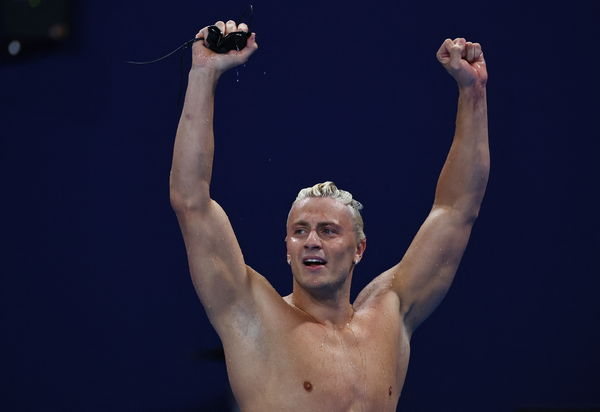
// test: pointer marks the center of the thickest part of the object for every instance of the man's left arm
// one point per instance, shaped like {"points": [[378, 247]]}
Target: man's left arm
{"points": [[425, 273]]}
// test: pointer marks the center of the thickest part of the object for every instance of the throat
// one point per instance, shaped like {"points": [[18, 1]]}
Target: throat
{"points": [[337, 313]]}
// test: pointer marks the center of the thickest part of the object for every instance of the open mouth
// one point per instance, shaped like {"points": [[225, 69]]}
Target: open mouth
{"points": [[314, 262]]}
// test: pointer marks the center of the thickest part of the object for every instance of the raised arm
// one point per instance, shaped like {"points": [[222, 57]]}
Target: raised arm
{"points": [[426, 271], [216, 263]]}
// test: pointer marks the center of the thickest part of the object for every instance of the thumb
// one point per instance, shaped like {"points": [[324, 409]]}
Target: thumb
{"points": [[443, 53], [251, 47], [251, 44]]}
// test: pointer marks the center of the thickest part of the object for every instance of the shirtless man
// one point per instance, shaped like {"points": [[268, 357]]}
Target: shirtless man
{"points": [[313, 350]]}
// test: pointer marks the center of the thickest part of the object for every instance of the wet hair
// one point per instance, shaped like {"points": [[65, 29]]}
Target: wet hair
{"points": [[329, 189]]}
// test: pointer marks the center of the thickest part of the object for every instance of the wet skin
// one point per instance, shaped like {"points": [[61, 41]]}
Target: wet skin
{"points": [[322, 230], [290, 362], [312, 350]]}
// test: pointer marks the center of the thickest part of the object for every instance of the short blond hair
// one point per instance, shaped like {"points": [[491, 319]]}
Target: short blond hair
{"points": [[329, 189]]}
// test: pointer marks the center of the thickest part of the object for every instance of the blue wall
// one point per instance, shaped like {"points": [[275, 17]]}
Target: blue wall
{"points": [[96, 307]]}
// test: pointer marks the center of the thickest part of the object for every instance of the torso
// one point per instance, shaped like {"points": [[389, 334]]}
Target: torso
{"points": [[284, 361]]}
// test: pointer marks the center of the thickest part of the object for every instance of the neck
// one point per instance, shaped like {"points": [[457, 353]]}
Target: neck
{"points": [[334, 310]]}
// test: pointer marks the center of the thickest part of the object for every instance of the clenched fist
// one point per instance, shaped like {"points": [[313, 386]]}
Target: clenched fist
{"points": [[203, 57], [464, 61]]}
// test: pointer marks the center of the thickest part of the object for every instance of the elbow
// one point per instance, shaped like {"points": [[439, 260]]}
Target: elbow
{"points": [[178, 202], [188, 200], [463, 213], [469, 213], [471, 216]]}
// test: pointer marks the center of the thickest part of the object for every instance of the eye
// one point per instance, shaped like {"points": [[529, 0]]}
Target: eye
{"points": [[328, 231], [299, 231]]}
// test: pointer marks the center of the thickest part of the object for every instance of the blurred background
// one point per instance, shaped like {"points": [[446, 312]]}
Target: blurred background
{"points": [[97, 312]]}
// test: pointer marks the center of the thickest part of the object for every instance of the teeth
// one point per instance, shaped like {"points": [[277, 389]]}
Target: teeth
{"points": [[311, 261]]}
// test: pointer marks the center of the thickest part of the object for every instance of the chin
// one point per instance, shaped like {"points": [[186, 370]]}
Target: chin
{"points": [[319, 285]]}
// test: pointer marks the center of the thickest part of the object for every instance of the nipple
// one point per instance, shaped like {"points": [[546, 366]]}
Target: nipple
{"points": [[307, 386]]}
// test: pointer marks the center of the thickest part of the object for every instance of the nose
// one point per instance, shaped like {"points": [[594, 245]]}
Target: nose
{"points": [[313, 241]]}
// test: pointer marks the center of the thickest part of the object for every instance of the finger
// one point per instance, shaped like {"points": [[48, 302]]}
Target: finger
{"points": [[470, 52], [443, 53], [477, 51], [221, 26], [203, 34], [243, 27], [457, 51], [461, 41], [230, 27], [251, 47]]}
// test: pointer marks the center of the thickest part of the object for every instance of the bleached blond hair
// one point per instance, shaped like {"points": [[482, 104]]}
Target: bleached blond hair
{"points": [[329, 189]]}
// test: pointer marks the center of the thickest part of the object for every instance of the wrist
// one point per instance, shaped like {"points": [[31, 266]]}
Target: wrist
{"points": [[472, 91], [207, 74]]}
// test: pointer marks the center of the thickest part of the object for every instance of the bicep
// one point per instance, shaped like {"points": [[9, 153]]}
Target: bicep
{"points": [[427, 270]]}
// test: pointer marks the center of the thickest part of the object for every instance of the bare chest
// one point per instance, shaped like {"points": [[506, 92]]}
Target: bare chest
{"points": [[354, 368]]}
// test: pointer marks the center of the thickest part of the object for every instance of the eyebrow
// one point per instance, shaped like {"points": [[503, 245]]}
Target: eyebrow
{"points": [[319, 224]]}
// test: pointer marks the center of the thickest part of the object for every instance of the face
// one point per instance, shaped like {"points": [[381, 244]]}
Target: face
{"points": [[322, 246]]}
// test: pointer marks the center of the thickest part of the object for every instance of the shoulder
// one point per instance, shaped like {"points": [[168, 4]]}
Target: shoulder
{"points": [[378, 312], [249, 311], [378, 294]]}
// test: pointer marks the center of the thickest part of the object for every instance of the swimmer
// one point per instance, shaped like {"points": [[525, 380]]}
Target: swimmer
{"points": [[314, 350]]}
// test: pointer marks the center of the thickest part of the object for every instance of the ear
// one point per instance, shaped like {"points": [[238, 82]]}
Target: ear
{"points": [[360, 250], [288, 257]]}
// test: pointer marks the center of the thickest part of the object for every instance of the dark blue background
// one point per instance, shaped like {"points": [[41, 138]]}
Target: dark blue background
{"points": [[97, 309]]}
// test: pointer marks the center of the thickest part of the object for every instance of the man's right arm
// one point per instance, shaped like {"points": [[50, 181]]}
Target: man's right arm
{"points": [[217, 266]]}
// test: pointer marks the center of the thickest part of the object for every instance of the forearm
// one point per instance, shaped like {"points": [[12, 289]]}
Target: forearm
{"points": [[463, 179], [194, 143]]}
